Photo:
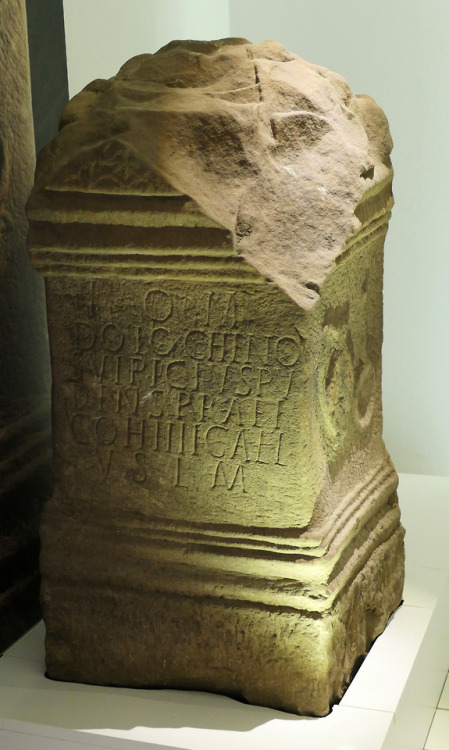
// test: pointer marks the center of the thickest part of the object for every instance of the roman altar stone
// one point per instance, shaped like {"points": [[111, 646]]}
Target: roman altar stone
{"points": [[210, 226]]}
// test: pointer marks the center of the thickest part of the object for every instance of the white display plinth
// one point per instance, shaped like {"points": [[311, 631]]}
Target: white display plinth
{"points": [[388, 706]]}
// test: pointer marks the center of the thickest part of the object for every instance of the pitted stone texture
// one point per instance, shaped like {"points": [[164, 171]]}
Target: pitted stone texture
{"points": [[285, 141]]}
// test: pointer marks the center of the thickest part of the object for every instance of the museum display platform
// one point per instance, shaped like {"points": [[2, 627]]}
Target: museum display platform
{"points": [[388, 706]]}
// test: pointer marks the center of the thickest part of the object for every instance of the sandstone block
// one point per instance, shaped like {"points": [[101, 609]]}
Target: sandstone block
{"points": [[210, 224]]}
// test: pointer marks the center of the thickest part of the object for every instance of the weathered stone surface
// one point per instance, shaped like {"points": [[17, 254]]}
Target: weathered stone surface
{"points": [[253, 122], [24, 363], [211, 224]]}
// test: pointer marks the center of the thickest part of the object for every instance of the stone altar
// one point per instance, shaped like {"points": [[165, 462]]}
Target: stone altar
{"points": [[210, 225]]}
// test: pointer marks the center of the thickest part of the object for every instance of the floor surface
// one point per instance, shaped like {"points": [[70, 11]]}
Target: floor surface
{"points": [[438, 738]]}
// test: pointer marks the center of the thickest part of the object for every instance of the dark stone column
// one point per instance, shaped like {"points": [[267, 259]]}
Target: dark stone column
{"points": [[48, 68], [25, 449]]}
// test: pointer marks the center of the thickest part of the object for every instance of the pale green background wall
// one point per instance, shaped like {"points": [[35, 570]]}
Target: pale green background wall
{"points": [[102, 34], [397, 51]]}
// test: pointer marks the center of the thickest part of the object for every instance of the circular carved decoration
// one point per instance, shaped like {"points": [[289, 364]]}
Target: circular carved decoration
{"points": [[336, 386]]}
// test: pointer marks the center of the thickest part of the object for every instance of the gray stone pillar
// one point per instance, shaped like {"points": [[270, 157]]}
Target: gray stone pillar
{"points": [[48, 68], [24, 368]]}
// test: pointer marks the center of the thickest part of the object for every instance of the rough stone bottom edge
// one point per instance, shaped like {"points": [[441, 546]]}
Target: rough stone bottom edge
{"points": [[295, 661]]}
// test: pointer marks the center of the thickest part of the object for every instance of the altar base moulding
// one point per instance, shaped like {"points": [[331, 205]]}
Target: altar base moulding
{"points": [[210, 225]]}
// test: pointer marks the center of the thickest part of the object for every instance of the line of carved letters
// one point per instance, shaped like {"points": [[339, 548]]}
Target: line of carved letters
{"points": [[169, 395]]}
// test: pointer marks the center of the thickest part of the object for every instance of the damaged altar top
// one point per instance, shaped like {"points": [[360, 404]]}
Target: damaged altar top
{"points": [[273, 148]]}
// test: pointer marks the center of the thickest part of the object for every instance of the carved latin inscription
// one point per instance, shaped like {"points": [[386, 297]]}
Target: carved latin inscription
{"points": [[193, 395]]}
